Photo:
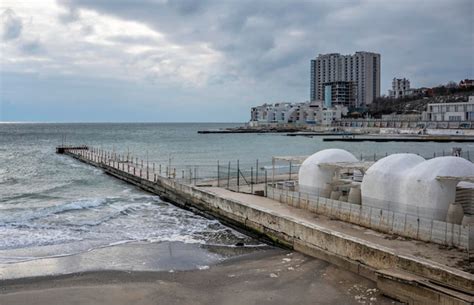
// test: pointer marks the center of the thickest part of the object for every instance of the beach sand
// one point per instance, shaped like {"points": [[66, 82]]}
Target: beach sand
{"points": [[272, 276]]}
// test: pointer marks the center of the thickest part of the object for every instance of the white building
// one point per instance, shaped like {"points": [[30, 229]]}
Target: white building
{"points": [[463, 111], [400, 88], [361, 69], [314, 113]]}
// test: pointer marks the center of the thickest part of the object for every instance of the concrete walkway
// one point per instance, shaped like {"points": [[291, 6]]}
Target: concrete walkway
{"points": [[428, 252]]}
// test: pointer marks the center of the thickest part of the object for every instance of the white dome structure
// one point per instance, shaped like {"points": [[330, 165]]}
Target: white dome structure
{"points": [[312, 178], [407, 183], [382, 183], [428, 197]]}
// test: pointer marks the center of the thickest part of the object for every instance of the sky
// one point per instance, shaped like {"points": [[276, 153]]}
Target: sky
{"points": [[210, 60]]}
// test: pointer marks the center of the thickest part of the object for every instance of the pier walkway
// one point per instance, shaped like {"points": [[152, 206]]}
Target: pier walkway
{"points": [[410, 271]]}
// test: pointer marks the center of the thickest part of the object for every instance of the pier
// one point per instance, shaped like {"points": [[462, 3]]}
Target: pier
{"points": [[408, 270], [398, 138]]}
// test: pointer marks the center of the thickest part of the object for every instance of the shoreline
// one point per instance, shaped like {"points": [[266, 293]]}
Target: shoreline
{"points": [[273, 276], [127, 257]]}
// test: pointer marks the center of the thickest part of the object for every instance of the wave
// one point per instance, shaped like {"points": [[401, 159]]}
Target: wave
{"points": [[18, 216]]}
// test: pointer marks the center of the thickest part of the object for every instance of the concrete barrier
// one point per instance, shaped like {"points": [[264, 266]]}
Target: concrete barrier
{"points": [[382, 220]]}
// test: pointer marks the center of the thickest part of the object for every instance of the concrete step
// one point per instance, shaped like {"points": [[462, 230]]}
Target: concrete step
{"points": [[416, 290]]}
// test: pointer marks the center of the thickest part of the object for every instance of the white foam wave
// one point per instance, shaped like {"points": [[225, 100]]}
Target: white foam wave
{"points": [[19, 215]]}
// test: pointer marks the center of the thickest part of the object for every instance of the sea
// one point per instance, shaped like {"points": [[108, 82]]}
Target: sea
{"points": [[53, 206]]}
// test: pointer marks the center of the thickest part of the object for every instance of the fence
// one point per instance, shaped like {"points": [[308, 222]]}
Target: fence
{"points": [[406, 225], [252, 177], [377, 156]]}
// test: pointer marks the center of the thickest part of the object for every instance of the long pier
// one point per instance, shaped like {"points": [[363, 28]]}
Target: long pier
{"points": [[396, 138], [397, 266]]}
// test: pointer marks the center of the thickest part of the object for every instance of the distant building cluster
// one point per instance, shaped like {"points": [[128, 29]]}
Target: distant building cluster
{"points": [[340, 84], [354, 80], [311, 113]]}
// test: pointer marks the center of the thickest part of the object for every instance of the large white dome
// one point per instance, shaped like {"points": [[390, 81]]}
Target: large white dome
{"points": [[407, 183], [382, 183], [312, 177], [428, 197]]}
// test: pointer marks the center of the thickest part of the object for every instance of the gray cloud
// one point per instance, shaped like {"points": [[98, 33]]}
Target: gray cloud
{"points": [[11, 25], [274, 40], [32, 47]]}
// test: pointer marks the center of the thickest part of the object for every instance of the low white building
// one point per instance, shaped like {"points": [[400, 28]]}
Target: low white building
{"points": [[314, 113], [463, 111]]}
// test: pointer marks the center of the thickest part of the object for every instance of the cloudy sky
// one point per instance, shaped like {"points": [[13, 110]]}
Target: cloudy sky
{"points": [[209, 60]]}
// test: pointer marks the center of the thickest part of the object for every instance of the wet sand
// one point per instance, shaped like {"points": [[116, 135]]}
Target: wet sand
{"points": [[272, 276]]}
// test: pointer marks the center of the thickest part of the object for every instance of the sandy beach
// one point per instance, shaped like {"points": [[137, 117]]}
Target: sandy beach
{"points": [[272, 276]]}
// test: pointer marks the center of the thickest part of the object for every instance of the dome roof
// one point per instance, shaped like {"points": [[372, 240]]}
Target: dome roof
{"points": [[381, 185], [312, 177], [407, 183]]}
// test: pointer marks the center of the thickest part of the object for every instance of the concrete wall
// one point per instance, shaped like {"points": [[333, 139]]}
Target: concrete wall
{"points": [[385, 221]]}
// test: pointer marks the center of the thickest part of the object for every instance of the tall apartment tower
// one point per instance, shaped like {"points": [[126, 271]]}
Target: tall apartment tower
{"points": [[358, 74]]}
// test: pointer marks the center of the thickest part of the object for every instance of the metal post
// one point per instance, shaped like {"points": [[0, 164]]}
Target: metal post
{"points": [[251, 180], [195, 175], [159, 170], [256, 172], [238, 175], [266, 184], [273, 176], [228, 175], [289, 178], [218, 184]]}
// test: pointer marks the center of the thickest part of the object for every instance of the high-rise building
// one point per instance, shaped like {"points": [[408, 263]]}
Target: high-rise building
{"points": [[357, 77]]}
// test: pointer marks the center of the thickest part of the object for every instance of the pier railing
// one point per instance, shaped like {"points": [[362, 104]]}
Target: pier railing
{"points": [[402, 224]]}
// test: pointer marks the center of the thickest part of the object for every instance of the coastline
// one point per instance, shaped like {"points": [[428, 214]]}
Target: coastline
{"points": [[272, 276]]}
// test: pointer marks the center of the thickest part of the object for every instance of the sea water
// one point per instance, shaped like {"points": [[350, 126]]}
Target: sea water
{"points": [[52, 205]]}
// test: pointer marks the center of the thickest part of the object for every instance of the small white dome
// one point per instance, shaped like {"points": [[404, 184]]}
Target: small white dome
{"points": [[312, 177]]}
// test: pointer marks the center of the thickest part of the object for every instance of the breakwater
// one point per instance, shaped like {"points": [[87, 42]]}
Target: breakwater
{"points": [[395, 265]]}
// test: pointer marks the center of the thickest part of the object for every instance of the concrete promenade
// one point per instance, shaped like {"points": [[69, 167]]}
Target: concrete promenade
{"points": [[410, 271]]}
